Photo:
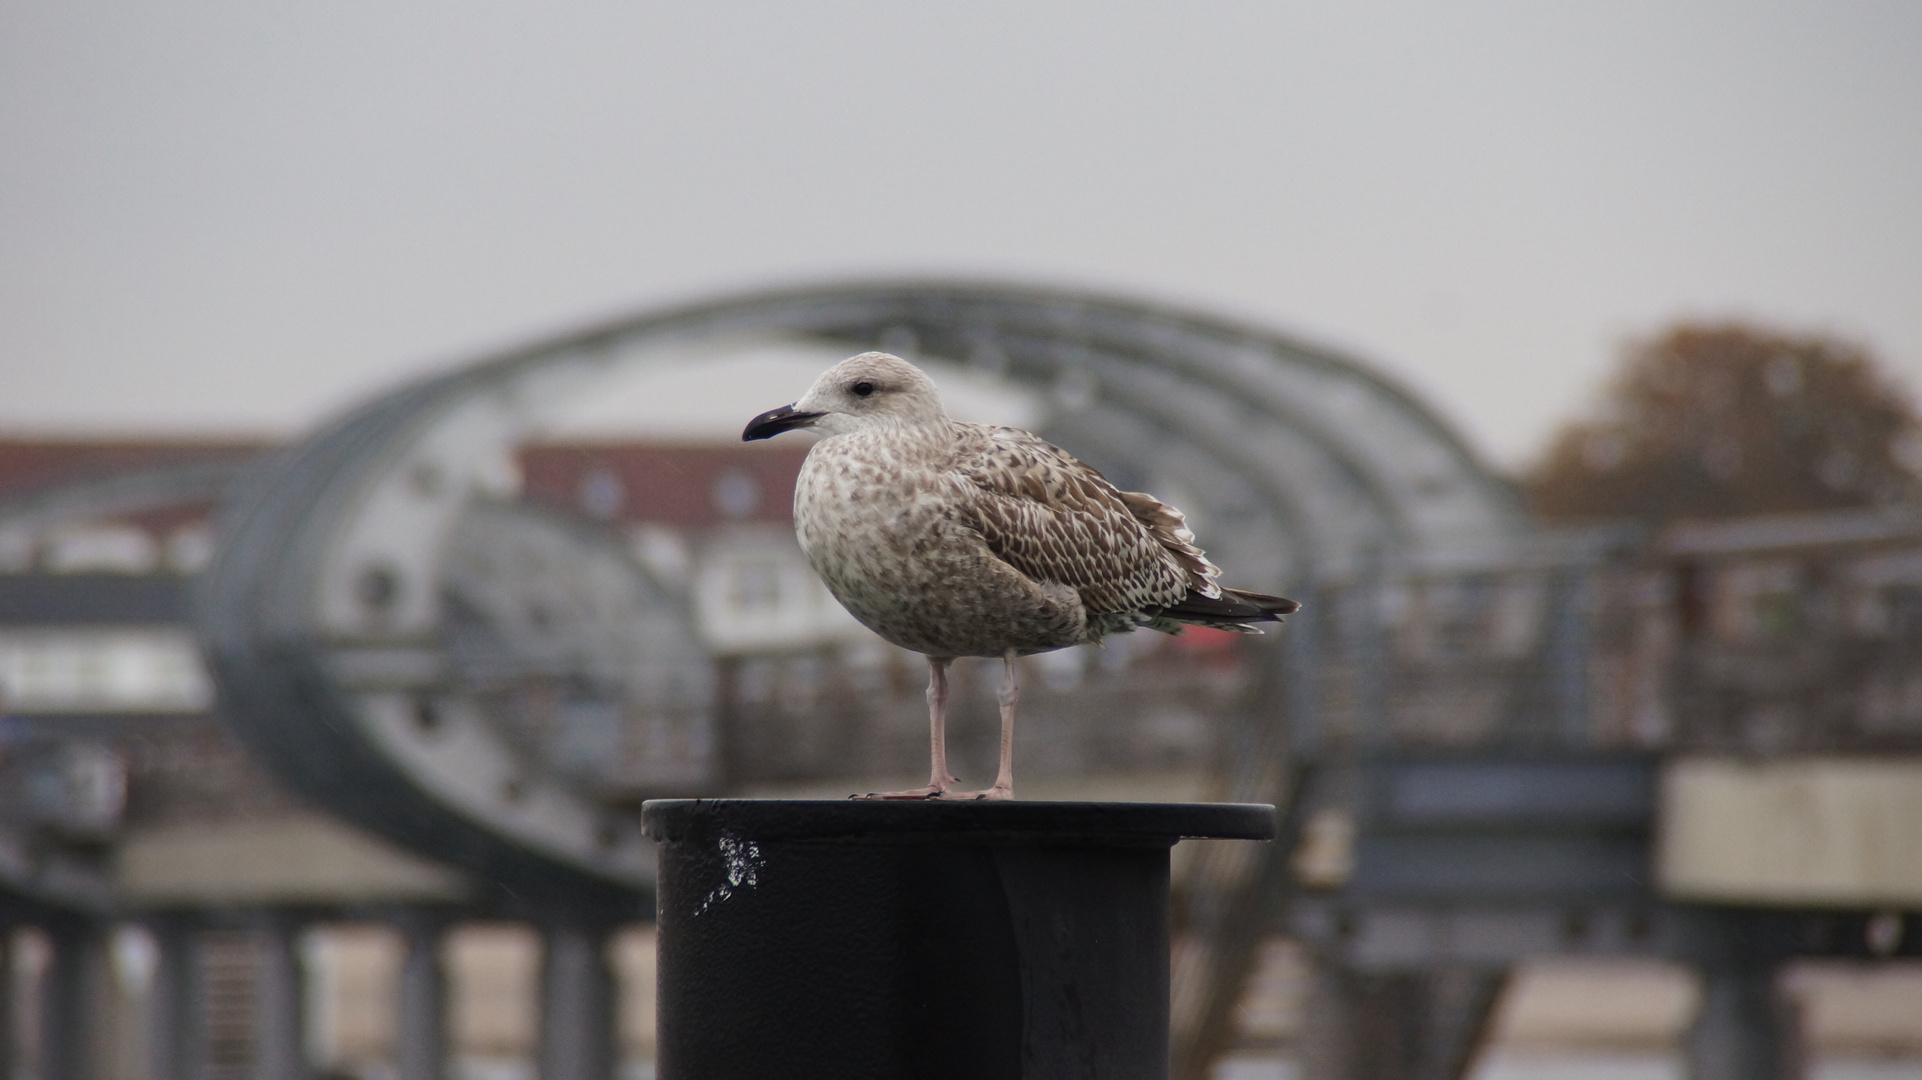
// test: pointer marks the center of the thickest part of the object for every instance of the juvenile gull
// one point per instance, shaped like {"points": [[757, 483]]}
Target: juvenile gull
{"points": [[957, 539]]}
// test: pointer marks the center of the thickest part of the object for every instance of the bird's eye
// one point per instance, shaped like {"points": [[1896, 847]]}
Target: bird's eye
{"points": [[862, 388]]}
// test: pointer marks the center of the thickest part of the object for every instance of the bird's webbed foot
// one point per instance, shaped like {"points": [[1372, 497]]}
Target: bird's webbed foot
{"points": [[932, 791], [997, 793]]}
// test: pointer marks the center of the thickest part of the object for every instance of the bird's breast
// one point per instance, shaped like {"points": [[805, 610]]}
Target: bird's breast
{"points": [[858, 510]]}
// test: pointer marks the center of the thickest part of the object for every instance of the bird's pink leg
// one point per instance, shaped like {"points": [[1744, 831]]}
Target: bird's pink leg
{"points": [[938, 779], [938, 776], [1004, 779]]}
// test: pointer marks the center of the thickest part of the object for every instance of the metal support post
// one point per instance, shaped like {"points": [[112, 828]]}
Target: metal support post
{"points": [[1301, 673], [9, 1015], [422, 1053], [1742, 1031], [1394, 1026], [1249, 910], [1569, 647], [177, 1008], [73, 1000], [1367, 648], [1459, 1003], [1746, 1029], [1325, 1047], [577, 1002], [280, 1002]]}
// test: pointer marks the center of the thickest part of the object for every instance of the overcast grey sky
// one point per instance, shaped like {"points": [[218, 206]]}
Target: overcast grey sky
{"points": [[242, 216]]}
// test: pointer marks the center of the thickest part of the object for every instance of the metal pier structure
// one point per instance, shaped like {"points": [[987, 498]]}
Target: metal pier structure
{"points": [[455, 686]]}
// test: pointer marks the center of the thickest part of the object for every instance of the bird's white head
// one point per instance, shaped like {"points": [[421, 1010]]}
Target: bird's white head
{"points": [[872, 391]]}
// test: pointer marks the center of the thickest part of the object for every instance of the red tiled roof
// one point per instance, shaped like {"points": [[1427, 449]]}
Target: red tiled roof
{"points": [[28, 464], [685, 486]]}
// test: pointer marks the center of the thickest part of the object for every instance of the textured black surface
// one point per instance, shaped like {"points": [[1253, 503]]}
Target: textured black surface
{"points": [[969, 941], [1039, 822]]}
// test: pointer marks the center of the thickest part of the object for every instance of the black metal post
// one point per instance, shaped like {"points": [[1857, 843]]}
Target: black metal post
{"points": [[971, 941]]}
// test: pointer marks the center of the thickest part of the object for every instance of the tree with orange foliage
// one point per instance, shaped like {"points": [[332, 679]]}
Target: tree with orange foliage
{"points": [[1727, 419]]}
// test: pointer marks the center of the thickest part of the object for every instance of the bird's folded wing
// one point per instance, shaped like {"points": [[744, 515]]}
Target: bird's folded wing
{"points": [[1056, 519]]}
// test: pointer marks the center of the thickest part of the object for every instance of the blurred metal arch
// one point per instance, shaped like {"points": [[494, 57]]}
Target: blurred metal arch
{"points": [[325, 612]]}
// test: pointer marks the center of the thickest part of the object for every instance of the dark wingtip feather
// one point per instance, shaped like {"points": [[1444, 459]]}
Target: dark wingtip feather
{"points": [[1233, 607], [1274, 606]]}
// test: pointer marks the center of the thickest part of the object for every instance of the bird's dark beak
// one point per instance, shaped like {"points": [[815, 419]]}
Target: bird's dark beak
{"points": [[774, 421]]}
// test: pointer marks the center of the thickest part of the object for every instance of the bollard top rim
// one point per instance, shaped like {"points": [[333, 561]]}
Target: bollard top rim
{"points": [[1011, 823]]}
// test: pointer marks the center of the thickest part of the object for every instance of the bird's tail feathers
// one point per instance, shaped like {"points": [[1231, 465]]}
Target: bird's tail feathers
{"points": [[1234, 609]]}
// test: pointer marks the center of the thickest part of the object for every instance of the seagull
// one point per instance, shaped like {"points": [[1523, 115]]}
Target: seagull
{"points": [[955, 539]]}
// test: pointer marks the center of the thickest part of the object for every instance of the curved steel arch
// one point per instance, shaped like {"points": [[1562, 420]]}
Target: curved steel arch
{"points": [[326, 613], [1436, 496]]}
